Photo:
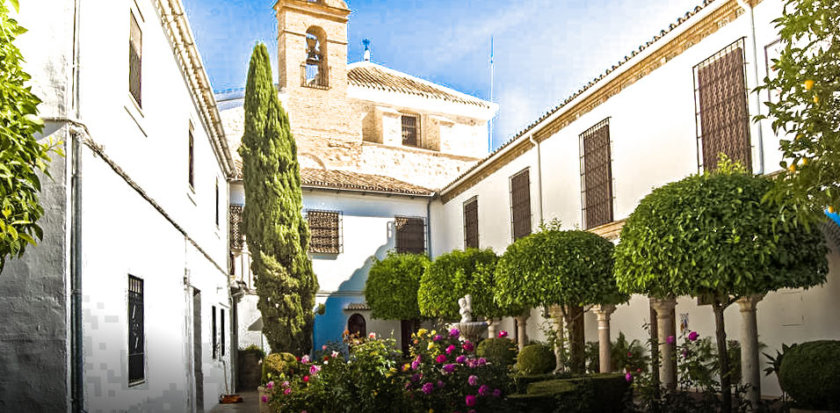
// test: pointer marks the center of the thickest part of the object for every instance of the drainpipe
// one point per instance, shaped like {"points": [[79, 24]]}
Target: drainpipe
{"points": [[760, 141], [429, 222], [539, 177], [77, 392]]}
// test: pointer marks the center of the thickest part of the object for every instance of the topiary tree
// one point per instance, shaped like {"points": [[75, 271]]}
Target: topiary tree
{"points": [[21, 156], [535, 359], [810, 373], [565, 268], [392, 284], [808, 106], [710, 235], [277, 235], [455, 274]]}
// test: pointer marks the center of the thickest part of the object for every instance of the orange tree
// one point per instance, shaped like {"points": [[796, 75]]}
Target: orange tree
{"points": [[807, 81], [566, 268], [711, 235]]}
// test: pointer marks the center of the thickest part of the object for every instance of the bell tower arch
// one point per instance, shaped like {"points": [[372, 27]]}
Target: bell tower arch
{"points": [[312, 53]]}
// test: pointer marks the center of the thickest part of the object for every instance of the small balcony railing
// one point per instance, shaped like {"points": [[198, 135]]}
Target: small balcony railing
{"points": [[314, 76]]}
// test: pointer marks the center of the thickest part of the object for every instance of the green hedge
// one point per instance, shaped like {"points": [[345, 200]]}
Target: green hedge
{"points": [[498, 350], [535, 359], [593, 393], [810, 374]]}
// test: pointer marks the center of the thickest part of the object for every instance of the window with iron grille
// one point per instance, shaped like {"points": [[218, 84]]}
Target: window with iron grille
{"points": [[325, 229], [217, 202], [237, 234], [214, 332], [409, 130], [135, 60], [596, 175], [471, 223], [520, 204], [191, 160], [136, 331], [222, 319], [722, 115], [411, 235]]}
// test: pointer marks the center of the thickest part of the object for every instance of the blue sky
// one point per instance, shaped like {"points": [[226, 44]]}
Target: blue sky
{"points": [[545, 49]]}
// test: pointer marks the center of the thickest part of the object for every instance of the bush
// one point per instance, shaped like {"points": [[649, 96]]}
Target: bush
{"points": [[810, 374], [593, 393], [391, 286], [502, 351], [276, 364], [254, 349], [536, 359]]}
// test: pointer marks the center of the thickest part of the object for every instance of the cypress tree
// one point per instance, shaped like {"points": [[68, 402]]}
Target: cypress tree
{"points": [[277, 235]]}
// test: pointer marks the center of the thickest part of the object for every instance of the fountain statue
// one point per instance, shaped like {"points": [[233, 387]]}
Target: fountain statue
{"points": [[471, 330]]}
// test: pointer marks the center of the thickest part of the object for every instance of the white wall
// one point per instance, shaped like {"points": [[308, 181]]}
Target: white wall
{"points": [[652, 127]]}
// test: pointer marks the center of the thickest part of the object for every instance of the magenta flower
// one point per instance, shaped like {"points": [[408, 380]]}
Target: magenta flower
{"points": [[428, 387], [304, 359], [306, 379], [450, 349], [481, 361], [448, 368], [628, 377], [440, 358], [460, 359], [285, 384], [269, 385], [503, 334], [415, 378], [314, 369], [693, 336], [483, 390], [497, 393], [629, 354], [407, 385], [470, 400], [670, 339], [468, 346], [287, 391], [685, 354], [472, 380], [440, 384], [264, 399], [454, 333], [437, 337]]}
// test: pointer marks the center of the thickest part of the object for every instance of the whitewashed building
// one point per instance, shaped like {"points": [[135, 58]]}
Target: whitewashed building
{"points": [[659, 115], [125, 304]]}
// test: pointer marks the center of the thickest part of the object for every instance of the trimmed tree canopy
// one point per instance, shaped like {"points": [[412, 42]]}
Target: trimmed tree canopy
{"points": [[557, 267], [21, 156], [277, 234], [454, 275], [392, 284], [711, 234]]}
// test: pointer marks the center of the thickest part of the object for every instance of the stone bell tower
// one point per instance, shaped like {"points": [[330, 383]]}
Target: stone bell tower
{"points": [[312, 50]]}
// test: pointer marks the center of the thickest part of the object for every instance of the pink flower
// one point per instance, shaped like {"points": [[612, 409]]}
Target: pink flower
{"points": [[470, 400], [269, 385], [372, 335], [450, 349], [468, 346], [440, 384], [472, 380], [440, 358], [628, 377], [287, 391], [503, 334], [692, 336], [437, 337], [460, 359], [448, 368], [454, 333], [264, 399], [407, 385], [314, 369], [304, 359], [334, 354], [497, 393], [324, 347], [629, 354], [483, 390], [481, 361], [285, 384], [428, 387], [670, 339]]}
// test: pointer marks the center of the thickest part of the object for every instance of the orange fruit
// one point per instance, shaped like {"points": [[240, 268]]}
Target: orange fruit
{"points": [[800, 136], [804, 161], [809, 84], [816, 99], [831, 210], [792, 167]]}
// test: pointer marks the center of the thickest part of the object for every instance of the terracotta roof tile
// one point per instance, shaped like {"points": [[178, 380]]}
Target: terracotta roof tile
{"points": [[371, 75], [322, 178]]}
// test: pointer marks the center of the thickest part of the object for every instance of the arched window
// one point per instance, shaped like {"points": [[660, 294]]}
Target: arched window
{"points": [[314, 71], [357, 325]]}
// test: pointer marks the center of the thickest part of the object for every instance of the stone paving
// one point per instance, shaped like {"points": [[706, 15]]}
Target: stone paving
{"points": [[250, 404]]}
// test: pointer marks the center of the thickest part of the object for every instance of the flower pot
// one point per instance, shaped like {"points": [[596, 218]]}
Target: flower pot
{"points": [[249, 371]]}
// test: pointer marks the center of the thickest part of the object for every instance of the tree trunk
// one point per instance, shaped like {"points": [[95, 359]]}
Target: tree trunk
{"points": [[574, 324], [723, 358]]}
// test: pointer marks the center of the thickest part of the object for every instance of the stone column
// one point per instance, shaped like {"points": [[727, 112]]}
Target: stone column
{"points": [[665, 325], [491, 327], [603, 312], [521, 322], [750, 370], [556, 313]]}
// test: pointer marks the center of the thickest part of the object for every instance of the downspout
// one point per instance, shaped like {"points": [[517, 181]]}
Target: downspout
{"points": [[76, 333], [744, 4], [429, 222], [539, 177]]}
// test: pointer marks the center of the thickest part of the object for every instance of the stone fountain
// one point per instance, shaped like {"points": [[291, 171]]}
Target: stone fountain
{"points": [[471, 330]]}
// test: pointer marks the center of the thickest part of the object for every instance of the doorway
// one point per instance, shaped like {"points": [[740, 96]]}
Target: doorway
{"points": [[197, 372]]}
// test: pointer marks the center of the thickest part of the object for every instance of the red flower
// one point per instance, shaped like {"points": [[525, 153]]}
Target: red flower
{"points": [[306, 379]]}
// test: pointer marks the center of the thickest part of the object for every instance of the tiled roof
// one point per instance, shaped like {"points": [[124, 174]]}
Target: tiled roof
{"points": [[371, 75], [592, 83], [323, 178]]}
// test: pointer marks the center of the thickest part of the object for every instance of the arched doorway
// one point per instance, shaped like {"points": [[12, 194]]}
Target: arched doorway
{"points": [[357, 325]]}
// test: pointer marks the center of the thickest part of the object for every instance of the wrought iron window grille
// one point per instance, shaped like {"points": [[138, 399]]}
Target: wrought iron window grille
{"points": [[136, 332], [596, 180], [471, 223], [520, 204], [326, 232], [410, 234]]}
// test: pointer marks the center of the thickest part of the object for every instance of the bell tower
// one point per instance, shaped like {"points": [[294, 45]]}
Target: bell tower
{"points": [[312, 53]]}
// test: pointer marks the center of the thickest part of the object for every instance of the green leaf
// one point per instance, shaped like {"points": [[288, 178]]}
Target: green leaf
{"points": [[16, 5]]}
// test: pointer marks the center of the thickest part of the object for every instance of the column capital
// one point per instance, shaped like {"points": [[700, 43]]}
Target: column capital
{"points": [[663, 306], [603, 311], [749, 303]]}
